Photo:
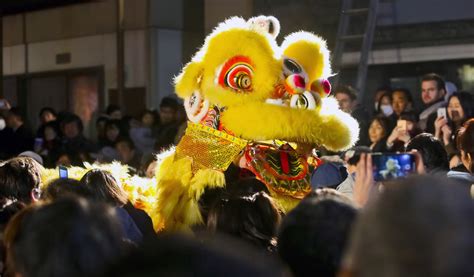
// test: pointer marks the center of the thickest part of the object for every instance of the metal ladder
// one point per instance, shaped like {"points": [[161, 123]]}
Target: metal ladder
{"points": [[367, 38]]}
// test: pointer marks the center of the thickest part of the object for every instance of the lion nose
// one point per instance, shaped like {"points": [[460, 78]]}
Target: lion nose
{"points": [[295, 84]]}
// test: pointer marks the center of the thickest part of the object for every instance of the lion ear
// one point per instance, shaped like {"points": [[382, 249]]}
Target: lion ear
{"points": [[188, 80]]}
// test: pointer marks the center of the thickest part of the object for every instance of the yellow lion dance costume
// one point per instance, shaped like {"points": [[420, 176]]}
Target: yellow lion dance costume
{"points": [[257, 104]]}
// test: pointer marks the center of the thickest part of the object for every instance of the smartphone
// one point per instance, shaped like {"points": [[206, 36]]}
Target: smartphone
{"points": [[442, 112], [392, 166], [63, 172], [402, 125]]}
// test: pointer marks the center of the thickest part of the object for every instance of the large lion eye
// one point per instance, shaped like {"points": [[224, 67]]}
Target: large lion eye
{"points": [[291, 67], [237, 74]]}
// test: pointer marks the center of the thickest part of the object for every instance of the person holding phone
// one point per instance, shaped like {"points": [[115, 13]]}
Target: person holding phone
{"points": [[460, 108], [405, 130]]}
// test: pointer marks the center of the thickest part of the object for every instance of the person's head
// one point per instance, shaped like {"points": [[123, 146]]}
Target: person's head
{"points": [[378, 94], [328, 175], [104, 187], [418, 226], [465, 144], [384, 106], [68, 158], [313, 236], [252, 218], [112, 130], [114, 112], [47, 114], [412, 123], [347, 98], [378, 129], [175, 254], [168, 109], [100, 126], [68, 237], [72, 126], [20, 179], [432, 151], [352, 157], [401, 100], [50, 131], [150, 118], [433, 88], [460, 106], [65, 187], [125, 149], [14, 118]]}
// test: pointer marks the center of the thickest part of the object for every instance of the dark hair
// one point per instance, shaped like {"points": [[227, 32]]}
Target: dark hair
{"points": [[17, 112], [420, 226], [350, 91], [405, 92], [169, 102], [465, 140], [112, 108], [86, 239], [313, 236], [104, 187], [434, 156], [252, 218], [47, 109], [72, 118], [175, 254], [384, 122], [18, 177], [53, 125], [386, 94], [353, 154], [466, 100], [440, 84], [127, 141], [66, 187]]}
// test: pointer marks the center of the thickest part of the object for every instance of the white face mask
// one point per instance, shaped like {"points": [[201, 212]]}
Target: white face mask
{"points": [[387, 110], [2, 124]]}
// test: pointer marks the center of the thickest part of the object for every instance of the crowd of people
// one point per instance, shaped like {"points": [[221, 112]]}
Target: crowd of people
{"points": [[349, 225], [60, 138]]}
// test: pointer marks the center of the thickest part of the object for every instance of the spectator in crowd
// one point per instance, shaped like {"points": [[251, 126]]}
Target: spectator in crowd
{"points": [[46, 115], [181, 255], [20, 179], [112, 132], [68, 158], [168, 126], [402, 102], [127, 153], [100, 129], [313, 236], [432, 94], [384, 106], [378, 95], [5, 134], [378, 132], [65, 188], [68, 237], [74, 140], [113, 112], [460, 108], [104, 188], [347, 98], [416, 227], [253, 218], [405, 130], [50, 143], [143, 135], [351, 158], [21, 138], [328, 175], [433, 154], [465, 144]]}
